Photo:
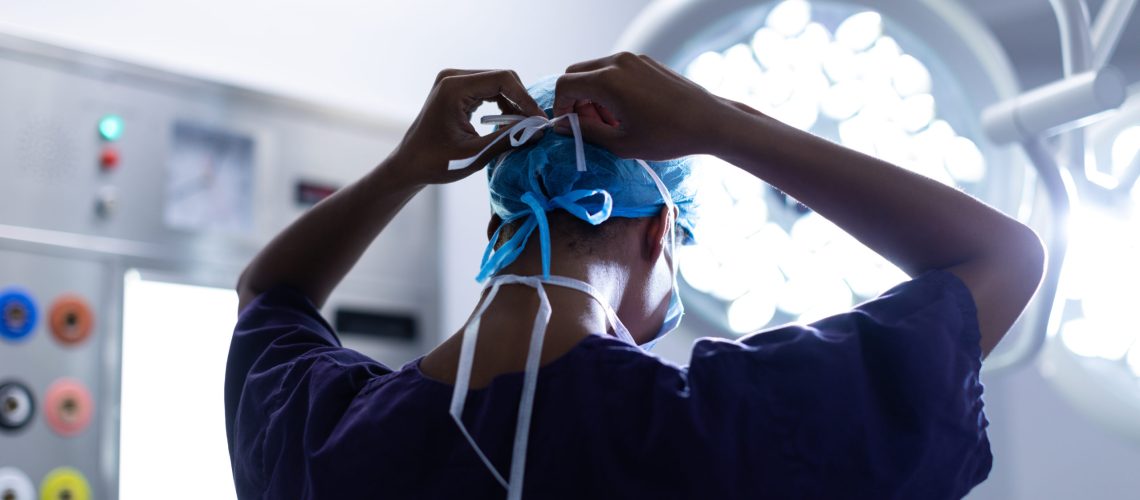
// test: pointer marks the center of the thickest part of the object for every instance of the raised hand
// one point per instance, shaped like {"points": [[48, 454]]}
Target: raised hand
{"points": [[443, 131], [638, 108]]}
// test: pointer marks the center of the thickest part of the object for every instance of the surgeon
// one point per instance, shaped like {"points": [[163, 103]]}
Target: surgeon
{"points": [[549, 392]]}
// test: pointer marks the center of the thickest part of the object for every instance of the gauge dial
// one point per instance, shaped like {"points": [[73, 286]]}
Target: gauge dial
{"points": [[210, 180]]}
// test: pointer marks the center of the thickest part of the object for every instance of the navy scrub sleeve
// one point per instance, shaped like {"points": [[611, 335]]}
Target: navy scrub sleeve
{"points": [[883, 401], [288, 382]]}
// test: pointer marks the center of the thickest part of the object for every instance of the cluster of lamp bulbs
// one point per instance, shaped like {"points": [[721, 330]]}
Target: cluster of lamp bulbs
{"points": [[770, 260]]}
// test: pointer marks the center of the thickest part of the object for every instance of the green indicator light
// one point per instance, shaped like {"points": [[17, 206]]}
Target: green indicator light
{"points": [[111, 127]]}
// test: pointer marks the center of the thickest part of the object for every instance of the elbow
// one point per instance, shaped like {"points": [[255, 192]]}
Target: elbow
{"points": [[1027, 258], [244, 292], [240, 282]]}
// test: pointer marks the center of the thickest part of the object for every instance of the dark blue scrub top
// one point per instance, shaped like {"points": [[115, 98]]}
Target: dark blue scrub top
{"points": [[879, 402]]}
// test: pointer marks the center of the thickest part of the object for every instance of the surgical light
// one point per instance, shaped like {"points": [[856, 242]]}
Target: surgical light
{"points": [[859, 31], [842, 71]]}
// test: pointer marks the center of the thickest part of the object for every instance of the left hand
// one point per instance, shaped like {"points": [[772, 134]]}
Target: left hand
{"points": [[443, 132]]}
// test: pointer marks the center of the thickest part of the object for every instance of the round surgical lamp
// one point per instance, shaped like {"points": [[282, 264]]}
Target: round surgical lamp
{"points": [[1093, 358], [903, 80]]}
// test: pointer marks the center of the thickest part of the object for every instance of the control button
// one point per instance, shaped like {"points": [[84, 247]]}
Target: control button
{"points": [[65, 483], [17, 314], [109, 158], [17, 406], [68, 407], [111, 127], [15, 485], [106, 202], [70, 319]]}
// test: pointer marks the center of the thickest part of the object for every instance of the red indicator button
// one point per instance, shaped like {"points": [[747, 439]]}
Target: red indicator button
{"points": [[109, 158]]}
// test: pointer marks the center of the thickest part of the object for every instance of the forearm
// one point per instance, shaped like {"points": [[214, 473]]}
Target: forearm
{"points": [[917, 223], [313, 254]]}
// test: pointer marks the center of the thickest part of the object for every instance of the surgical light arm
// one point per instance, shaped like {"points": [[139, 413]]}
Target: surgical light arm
{"points": [[1056, 107], [1088, 89]]}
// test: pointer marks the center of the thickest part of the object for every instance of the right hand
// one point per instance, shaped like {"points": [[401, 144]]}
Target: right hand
{"points": [[636, 107]]}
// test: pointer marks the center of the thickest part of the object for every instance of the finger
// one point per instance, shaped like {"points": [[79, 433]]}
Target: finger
{"points": [[590, 65], [663, 69], [588, 115], [587, 111], [528, 107], [601, 62], [456, 72], [489, 85], [607, 116], [508, 107], [596, 132], [653, 62], [584, 86]]}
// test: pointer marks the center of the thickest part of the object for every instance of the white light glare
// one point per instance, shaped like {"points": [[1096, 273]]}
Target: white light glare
{"points": [[802, 109], [707, 70], [699, 267], [790, 17], [770, 48], [741, 74], [1102, 268], [879, 61], [1125, 148], [839, 63], [807, 50], [1095, 339], [1133, 359], [830, 296], [842, 100], [915, 112], [751, 312], [860, 30], [795, 70], [910, 76], [964, 160]]}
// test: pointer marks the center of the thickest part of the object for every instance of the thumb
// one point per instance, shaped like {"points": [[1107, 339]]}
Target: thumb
{"points": [[593, 131]]}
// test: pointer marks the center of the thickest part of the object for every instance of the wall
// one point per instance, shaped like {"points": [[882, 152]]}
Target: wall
{"points": [[380, 57]]}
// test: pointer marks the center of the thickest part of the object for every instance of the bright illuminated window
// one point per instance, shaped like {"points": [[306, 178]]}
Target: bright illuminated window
{"points": [[173, 434], [844, 77]]}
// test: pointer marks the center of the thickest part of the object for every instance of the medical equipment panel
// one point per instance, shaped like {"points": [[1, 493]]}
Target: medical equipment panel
{"points": [[115, 174]]}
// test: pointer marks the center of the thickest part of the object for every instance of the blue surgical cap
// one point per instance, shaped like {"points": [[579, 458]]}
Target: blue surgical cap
{"points": [[527, 182]]}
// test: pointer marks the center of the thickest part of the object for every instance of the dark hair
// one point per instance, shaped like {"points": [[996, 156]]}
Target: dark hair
{"points": [[581, 235]]}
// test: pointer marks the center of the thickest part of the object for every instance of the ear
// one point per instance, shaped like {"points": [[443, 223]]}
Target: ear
{"points": [[653, 239], [493, 225]]}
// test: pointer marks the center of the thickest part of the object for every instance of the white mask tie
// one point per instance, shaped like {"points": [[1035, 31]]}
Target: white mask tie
{"points": [[523, 129], [530, 373]]}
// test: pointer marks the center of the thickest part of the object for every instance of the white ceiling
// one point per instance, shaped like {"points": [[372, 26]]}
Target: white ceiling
{"points": [[381, 56]]}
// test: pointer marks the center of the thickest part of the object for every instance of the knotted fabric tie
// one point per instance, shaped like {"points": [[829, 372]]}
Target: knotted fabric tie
{"points": [[535, 214], [523, 129], [537, 204]]}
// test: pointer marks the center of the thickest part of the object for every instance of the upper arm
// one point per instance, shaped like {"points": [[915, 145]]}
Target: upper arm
{"points": [[1002, 282]]}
